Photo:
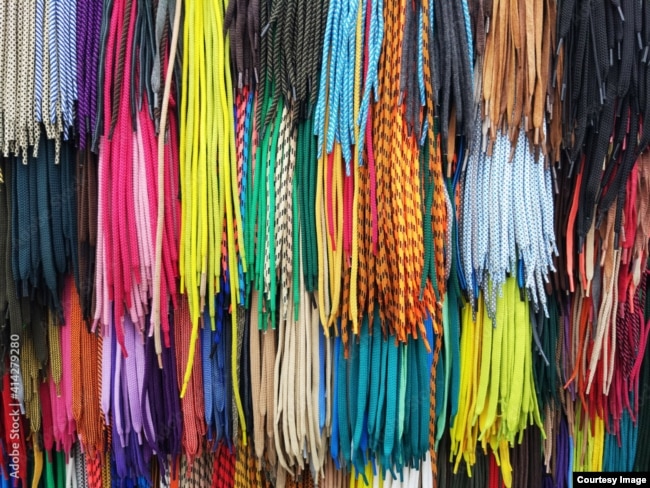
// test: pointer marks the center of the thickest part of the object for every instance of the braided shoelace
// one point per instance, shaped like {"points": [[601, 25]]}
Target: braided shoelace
{"points": [[503, 232], [19, 128], [347, 299], [89, 17]]}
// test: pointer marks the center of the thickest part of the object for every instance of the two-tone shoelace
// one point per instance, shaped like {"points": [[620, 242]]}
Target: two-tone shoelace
{"points": [[20, 49], [319, 208], [507, 230]]}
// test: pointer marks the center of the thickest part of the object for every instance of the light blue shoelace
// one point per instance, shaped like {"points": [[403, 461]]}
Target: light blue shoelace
{"points": [[375, 39], [337, 79], [507, 220]]}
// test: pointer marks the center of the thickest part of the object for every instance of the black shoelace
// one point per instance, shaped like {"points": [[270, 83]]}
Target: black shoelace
{"points": [[451, 69], [604, 95]]}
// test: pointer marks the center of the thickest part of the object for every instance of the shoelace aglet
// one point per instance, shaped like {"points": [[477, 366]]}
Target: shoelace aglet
{"points": [[617, 148], [639, 40], [134, 122], [581, 243], [620, 12], [599, 192], [571, 168], [603, 91], [644, 59]]}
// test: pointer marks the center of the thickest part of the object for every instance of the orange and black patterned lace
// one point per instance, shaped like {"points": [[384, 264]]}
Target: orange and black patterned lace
{"points": [[329, 243]]}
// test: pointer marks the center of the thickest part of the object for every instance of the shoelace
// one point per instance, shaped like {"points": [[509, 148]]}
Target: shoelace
{"points": [[19, 129], [86, 175], [30, 373], [57, 75], [163, 230], [76, 469], [339, 57], [610, 49], [118, 254], [496, 238], [505, 358], [84, 385], [452, 71], [43, 249], [193, 420], [516, 31], [89, 16], [598, 407], [204, 204], [526, 463]]}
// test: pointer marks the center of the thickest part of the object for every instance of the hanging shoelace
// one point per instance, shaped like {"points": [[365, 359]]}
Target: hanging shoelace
{"points": [[126, 233], [601, 50], [55, 69], [242, 21], [86, 177], [452, 71], [641, 458], [208, 180], [507, 230], [44, 249], [351, 305], [88, 20], [11, 314], [19, 50], [603, 92], [516, 69], [502, 381]]}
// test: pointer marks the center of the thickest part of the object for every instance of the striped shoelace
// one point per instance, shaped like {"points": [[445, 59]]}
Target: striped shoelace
{"points": [[324, 243]]}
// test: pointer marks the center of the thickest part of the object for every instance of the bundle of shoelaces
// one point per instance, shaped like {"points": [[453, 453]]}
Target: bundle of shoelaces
{"points": [[323, 242]]}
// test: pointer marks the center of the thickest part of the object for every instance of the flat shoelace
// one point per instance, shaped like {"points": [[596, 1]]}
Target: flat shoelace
{"points": [[496, 238], [346, 298]]}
